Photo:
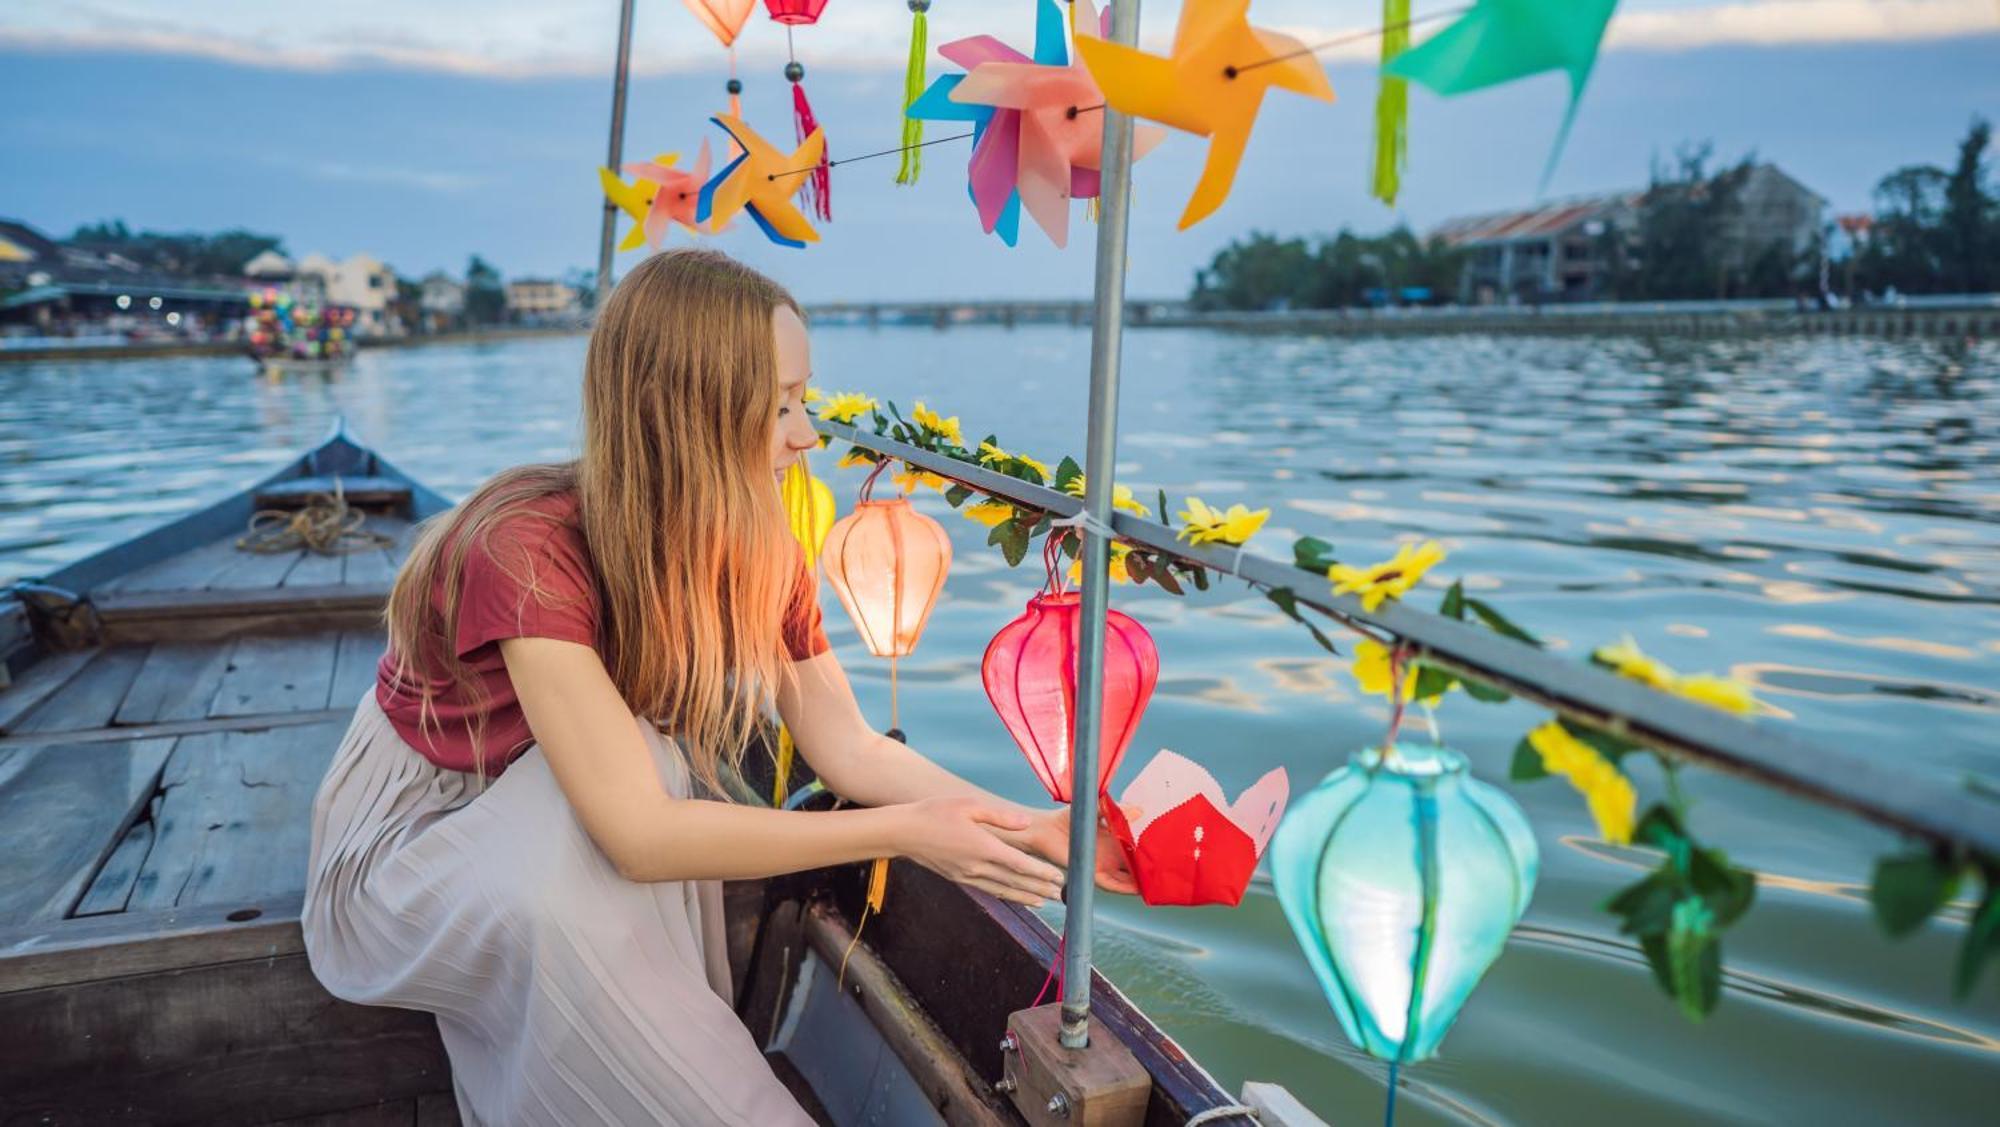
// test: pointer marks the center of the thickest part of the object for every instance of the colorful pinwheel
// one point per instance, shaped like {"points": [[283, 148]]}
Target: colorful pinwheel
{"points": [[762, 181]]}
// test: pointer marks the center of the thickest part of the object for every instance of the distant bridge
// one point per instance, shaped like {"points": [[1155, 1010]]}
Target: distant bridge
{"points": [[945, 314]]}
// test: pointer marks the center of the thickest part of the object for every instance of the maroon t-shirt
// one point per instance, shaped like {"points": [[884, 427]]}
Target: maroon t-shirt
{"points": [[530, 577]]}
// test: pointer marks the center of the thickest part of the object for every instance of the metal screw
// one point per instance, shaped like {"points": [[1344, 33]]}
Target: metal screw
{"points": [[1008, 1043], [1059, 1105], [1005, 1084]]}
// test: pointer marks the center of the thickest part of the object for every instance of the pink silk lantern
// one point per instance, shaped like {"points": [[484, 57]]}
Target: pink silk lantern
{"points": [[795, 12], [887, 562], [1030, 672]]}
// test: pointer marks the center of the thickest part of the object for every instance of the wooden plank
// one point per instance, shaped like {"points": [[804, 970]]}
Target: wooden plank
{"points": [[255, 571], [69, 952], [235, 820], [116, 609], [111, 889], [315, 570], [189, 571], [61, 815], [176, 683], [281, 674], [169, 729], [40, 681], [354, 669], [91, 698], [370, 569], [395, 1113], [230, 1043], [437, 1110]]}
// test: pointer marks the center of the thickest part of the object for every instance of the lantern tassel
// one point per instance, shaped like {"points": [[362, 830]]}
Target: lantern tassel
{"points": [[783, 772], [878, 888], [819, 185], [913, 88], [1392, 106]]}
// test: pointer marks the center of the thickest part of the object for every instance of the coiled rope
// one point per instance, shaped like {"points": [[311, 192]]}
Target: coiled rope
{"points": [[325, 525]]}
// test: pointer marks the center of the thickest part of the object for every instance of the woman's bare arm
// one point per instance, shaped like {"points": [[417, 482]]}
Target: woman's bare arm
{"points": [[600, 759]]}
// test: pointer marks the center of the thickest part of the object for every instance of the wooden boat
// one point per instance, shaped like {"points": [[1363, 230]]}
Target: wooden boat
{"points": [[168, 709], [275, 366]]}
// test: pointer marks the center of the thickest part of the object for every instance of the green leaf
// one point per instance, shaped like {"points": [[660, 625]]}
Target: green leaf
{"points": [[1013, 542], [1432, 682], [1484, 693], [1288, 602], [1694, 959], [1647, 905], [1499, 622], [899, 415], [1310, 553], [1454, 601], [956, 495], [1661, 829], [1726, 889], [1907, 889], [1654, 947], [1982, 939], [1527, 765], [1067, 471], [998, 533], [1165, 518], [1200, 577]]}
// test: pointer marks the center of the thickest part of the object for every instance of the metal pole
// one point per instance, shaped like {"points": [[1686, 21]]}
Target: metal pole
{"points": [[1100, 454], [617, 154]]}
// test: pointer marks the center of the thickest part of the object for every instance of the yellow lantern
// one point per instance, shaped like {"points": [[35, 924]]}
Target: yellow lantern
{"points": [[809, 507]]}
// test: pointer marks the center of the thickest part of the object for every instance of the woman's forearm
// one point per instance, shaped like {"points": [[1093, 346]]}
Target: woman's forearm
{"points": [[883, 772], [692, 839]]}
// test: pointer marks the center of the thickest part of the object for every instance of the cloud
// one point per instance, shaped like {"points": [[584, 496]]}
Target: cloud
{"points": [[501, 40]]}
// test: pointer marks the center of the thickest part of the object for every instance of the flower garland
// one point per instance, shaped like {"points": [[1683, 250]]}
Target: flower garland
{"points": [[1677, 912]]}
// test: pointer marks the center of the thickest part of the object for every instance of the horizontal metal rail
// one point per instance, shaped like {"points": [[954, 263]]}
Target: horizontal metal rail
{"points": [[1892, 793]]}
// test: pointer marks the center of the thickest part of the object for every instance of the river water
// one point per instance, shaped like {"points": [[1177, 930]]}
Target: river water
{"points": [[1820, 517]]}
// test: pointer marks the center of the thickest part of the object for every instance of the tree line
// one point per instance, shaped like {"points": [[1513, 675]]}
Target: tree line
{"points": [[1933, 230]]}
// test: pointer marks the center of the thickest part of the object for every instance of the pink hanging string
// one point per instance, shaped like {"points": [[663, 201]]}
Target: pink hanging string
{"points": [[1056, 975]]}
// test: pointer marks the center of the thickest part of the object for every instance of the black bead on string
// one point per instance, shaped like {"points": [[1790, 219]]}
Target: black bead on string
{"points": [[736, 86], [794, 72]]}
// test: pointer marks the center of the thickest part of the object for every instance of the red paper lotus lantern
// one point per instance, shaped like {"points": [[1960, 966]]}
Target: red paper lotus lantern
{"points": [[887, 562], [795, 12], [1030, 672], [1190, 845]]}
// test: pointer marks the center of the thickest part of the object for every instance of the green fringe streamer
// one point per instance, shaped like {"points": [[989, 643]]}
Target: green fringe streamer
{"points": [[1392, 106], [913, 88]]}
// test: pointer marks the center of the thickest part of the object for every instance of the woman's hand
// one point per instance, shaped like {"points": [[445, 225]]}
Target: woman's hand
{"points": [[962, 839], [1047, 836]]}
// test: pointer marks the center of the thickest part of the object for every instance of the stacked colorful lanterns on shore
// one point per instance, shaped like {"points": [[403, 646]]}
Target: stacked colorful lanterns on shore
{"points": [[281, 327]]}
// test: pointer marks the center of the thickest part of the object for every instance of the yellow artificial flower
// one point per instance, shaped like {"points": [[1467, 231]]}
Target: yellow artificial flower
{"points": [[1203, 525], [1725, 693], [1121, 497], [931, 421], [812, 395], [989, 512], [1372, 671], [990, 454], [1613, 803], [1628, 661], [1389, 580], [911, 478], [1117, 567], [856, 458], [845, 407], [1702, 688]]}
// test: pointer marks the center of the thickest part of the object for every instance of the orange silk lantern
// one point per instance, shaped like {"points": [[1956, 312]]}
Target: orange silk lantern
{"points": [[887, 562]]}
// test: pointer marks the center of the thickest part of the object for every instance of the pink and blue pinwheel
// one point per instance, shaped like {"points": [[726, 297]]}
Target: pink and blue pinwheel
{"points": [[1036, 133], [676, 196]]}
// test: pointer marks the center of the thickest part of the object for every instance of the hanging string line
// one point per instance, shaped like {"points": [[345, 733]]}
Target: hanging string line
{"points": [[1398, 659], [1230, 72], [1350, 37], [867, 156]]}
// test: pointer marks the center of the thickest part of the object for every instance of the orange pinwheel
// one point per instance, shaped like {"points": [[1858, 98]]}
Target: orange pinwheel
{"points": [[1212, 85], [762, 181], [675, 195]]}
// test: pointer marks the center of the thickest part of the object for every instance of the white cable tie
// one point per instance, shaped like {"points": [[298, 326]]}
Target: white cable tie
{"points": [[1083, 520], [1226, 1111]]}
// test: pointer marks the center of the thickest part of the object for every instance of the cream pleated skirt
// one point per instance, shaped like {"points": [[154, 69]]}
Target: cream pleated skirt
{"points": [[564, 993]]}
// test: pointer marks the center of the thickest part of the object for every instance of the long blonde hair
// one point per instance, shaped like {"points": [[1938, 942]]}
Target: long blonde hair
{"points": [[694, 561]]}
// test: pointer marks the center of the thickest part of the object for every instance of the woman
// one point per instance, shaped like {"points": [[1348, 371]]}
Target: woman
{"points": [[523, 829]]}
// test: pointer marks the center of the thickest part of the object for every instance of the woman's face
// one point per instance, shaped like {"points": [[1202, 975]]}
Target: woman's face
{"points": [[793, 435]]}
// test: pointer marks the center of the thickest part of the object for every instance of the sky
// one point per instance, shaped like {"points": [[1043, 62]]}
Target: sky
{"points": [[425, 131]]}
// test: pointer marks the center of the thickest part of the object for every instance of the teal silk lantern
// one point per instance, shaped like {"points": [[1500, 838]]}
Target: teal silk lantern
{"points": [[1402, 875]]}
